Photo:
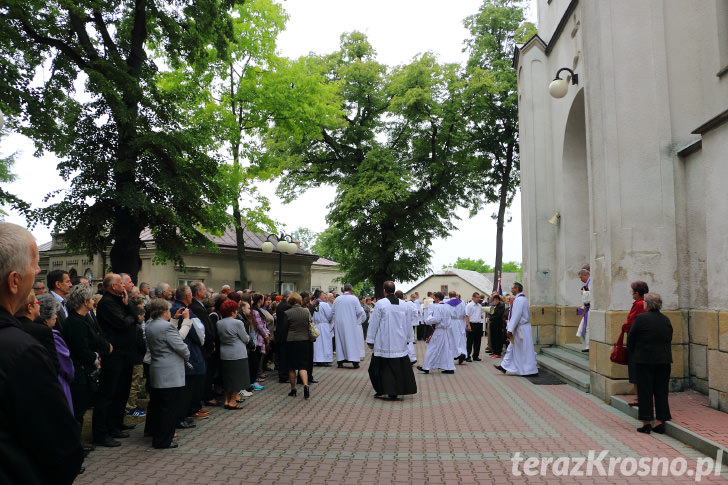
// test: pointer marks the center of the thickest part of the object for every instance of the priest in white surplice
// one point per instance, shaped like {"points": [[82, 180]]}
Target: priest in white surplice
{"points": [[520, 357], [390, 330], [457, 328], [348, 316], [440, 347], [323, 348], [413, 314]]}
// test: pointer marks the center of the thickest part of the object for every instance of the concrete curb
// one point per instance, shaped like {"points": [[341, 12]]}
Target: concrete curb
{"points": [[684, 435]]}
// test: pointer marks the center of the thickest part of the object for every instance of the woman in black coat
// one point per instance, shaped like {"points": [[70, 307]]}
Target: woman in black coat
{"points": [[649, 342]]}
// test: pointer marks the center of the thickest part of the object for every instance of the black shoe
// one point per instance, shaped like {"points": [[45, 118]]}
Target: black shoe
{"points": [[448, 372], [477, 359], [185, 425], [413, 362], [127, 426], [306, 392], [356, 365], [240, 401], [327, 364], [500, 368], [81, 470], [468, 359], [659, 429], [585, 350], [461, 359], [313, 381], [108, 442], [119, 434], [378, 395], [89, 448], [392, 397], [340, 364], [292, 393], [419, 368], [645, 429], [173, 444]]}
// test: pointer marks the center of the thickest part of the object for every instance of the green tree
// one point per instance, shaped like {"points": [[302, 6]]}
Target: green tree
{"points": [[256, 90], [473, 265], [7, 176], [491, 106], [306, 237], [392, 161], [127, 143]]}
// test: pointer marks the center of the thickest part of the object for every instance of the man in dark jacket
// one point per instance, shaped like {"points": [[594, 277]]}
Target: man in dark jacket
{"points": [[40, 440], [118, 325], [209, 347]]}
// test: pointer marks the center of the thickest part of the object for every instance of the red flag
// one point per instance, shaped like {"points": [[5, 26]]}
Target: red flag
{"points": [[500, 289]]}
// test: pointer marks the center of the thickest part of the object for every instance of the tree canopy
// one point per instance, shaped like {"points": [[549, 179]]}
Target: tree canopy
{"points": [[391, 156], [134, 156]]}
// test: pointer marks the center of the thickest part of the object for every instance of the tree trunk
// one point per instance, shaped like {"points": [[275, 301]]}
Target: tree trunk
{"points": [[505, 182], [240, 245], [124, 254]]}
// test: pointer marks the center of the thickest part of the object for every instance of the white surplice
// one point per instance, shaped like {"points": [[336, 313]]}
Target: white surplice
{"points": [[389, 329], [520, 357], [439, 354], [348, 316], [323, 347], [413, 318], [457, 329]]}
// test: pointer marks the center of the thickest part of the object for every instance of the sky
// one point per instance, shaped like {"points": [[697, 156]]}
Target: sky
{"points": [[398, 30]]}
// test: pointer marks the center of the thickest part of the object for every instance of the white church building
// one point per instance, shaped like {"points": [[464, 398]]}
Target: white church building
{"points": [[626, 172]]}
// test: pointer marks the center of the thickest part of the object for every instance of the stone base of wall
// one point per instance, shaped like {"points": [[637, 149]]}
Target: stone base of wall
{"points": [[699, 348]]}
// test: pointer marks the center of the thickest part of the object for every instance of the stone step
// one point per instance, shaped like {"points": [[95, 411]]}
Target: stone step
{"points": [[580, 361], [572, 375], [576, 350]]}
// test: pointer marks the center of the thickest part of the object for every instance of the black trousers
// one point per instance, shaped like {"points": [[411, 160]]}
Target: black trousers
{"points": [[110, 406], [473, 339], [653, 383], [162, 415], [497, 338], [212, 369]]}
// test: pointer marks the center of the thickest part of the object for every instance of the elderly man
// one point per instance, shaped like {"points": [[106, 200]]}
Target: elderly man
{"points": [[118, 325], [390, 330], [348, 318], [583, 331], [520, 357], [39, 437], [209, 350], [39, 288]]}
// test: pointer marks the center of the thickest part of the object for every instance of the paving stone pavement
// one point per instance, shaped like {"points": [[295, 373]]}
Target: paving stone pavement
{"points": [[459, 429]]}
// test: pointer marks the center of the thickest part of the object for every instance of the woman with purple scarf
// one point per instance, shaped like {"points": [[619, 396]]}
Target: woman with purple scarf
{"points": [[49, 308]]}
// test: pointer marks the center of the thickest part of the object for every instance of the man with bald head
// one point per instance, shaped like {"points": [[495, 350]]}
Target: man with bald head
{"points": [[118, 325], [40, 439]]}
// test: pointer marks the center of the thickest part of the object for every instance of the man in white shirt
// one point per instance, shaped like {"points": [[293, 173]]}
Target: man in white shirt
{"points": [[390, 331], [473, 327]]}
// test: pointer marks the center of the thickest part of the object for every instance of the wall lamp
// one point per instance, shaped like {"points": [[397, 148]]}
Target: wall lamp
{"points": [[559, 87]]}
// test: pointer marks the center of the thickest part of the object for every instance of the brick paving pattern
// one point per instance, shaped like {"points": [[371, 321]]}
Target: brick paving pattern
{"points": [[459, 429]]}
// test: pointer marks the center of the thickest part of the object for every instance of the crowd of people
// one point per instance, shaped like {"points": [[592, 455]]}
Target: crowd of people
{"points": [[189, 348]]}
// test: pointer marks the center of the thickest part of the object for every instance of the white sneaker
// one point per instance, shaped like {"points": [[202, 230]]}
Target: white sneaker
{"points": [[245, 393]]}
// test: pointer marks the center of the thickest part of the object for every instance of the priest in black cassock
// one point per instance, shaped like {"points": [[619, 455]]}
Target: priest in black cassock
{"points": [[389, 333]]}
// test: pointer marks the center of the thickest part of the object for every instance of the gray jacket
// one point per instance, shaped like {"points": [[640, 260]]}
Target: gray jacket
{"points": [[233, 338], [169, 354]]}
